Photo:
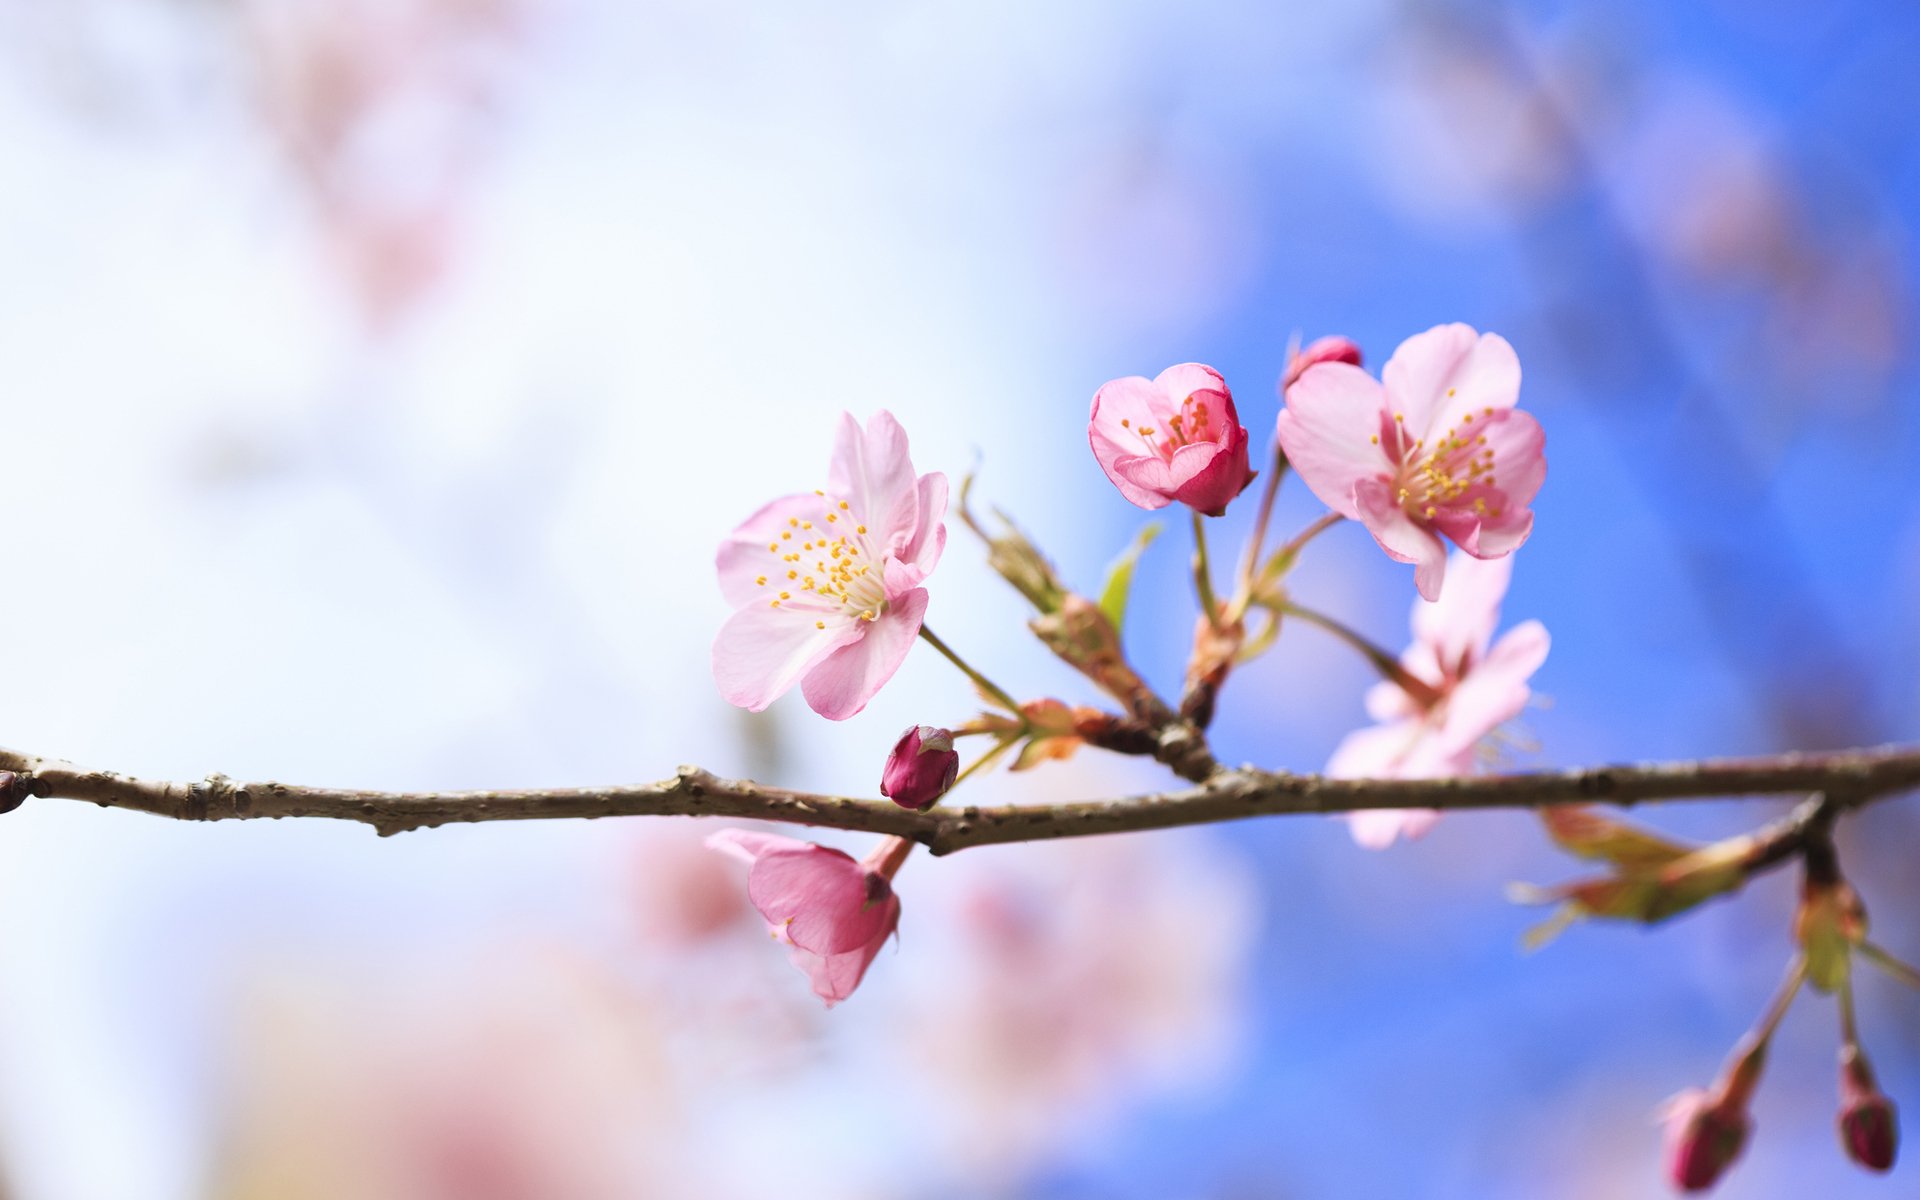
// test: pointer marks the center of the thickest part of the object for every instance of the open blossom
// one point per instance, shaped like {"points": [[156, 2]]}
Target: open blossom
{"points": [[834, 912], [1435, 447], [827, 583], [1173, 437], [1472, 684]]}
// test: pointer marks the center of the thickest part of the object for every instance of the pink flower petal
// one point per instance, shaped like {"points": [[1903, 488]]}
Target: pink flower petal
{"points": [[835, 976], [819, 897], [1480, 371], [1329, 430], [928, 536], [747, 845], [871, 470], [1178, 382], [1379, 828], [1119, 408], [1458, 627], [1403, 538], [840, 685], [762, 651], [744, 558], [1496, 690]]}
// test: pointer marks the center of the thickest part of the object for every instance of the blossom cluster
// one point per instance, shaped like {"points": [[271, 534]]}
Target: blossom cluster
{"points": [[1433, 458]]}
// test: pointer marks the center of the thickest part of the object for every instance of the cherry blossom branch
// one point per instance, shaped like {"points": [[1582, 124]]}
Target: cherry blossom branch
{"points": [[1849, 779]]}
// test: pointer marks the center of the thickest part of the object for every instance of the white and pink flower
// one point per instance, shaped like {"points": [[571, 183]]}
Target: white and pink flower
{"points": [[833, 911], [827, 584], [1173, 437], [1473, 684], [1435, 447]]}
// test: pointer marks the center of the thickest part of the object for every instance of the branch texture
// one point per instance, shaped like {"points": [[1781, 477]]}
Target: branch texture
{"points": [[1852, 778]]}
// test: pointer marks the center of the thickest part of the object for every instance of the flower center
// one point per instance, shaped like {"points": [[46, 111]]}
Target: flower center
{"points": [[1455, 472], [826, 566], [1191, 422]]}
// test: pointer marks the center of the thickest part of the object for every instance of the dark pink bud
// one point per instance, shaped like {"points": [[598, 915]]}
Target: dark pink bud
{"points": [[1325, 350], [1869, 1128], [1705, 1133], [921, 768]]}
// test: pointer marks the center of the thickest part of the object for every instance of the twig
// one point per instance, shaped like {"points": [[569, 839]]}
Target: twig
{"points": [[1858, 776]]}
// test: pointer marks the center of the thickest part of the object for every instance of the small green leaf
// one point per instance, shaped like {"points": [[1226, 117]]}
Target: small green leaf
{"points": [[1585, 832], [1113, 594]]}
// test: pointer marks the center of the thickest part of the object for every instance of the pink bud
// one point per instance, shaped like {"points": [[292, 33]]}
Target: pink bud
{"points": [[1325, 350], [1869, 1129], [921, 768], [1705, 1132]]}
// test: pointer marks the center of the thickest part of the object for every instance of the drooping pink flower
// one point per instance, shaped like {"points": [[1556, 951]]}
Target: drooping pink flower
{"points": [[834, 912], [921, 768], [1705, 1133], [1472, 684], [1326, 349], [1436, 447], [827, 584], [1173, 437]]}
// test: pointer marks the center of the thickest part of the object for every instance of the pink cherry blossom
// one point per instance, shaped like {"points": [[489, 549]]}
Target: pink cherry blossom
{"points": [[1436, 447], [1473, 684], [835, 913], [827, 584], [1173, 437]]}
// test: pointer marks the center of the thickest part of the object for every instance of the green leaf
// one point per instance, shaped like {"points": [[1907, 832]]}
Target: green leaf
{"points": [[1113, 594]]}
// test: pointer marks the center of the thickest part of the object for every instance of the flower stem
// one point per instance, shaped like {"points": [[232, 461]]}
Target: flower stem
{"points": [[1849, 1024], [1250, 564], [1782, 1000], [1203, 572], [992, 689], [1421, 692], [1891, 965], [1293, 547]]}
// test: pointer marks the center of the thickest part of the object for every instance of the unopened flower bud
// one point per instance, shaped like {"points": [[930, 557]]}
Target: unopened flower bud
{"points": [[1705, 1132], [921, 768], [1325, 350], [1869, 1128]]}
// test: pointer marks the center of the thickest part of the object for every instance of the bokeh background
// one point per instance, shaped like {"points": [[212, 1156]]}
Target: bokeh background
{"points": [[379, 376]]}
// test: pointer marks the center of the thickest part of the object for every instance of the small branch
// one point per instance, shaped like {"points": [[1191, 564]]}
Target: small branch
{"points": [[1850, 779]]}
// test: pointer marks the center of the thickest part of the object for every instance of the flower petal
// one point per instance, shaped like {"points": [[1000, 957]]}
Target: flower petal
{"points": [[840, 686], [1446, 372], [1181, 380], [835, 976], [1121, 407], [872, 472], [747, 845], [1379, 828], [744, 558], [1330, 429], [1458, 627], [1403, 538], [762, 651], [819, 897], [1495, 691], [928, 537]]}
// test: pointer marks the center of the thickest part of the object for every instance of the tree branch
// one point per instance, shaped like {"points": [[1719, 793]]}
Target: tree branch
{"points": [[1849, 778]]}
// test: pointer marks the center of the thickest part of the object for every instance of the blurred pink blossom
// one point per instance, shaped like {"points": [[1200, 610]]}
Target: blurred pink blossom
{"points": [[1083, 976], [826, 584], [834, 912], [1173, 437], [1436, 448], [1473, 685]]}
